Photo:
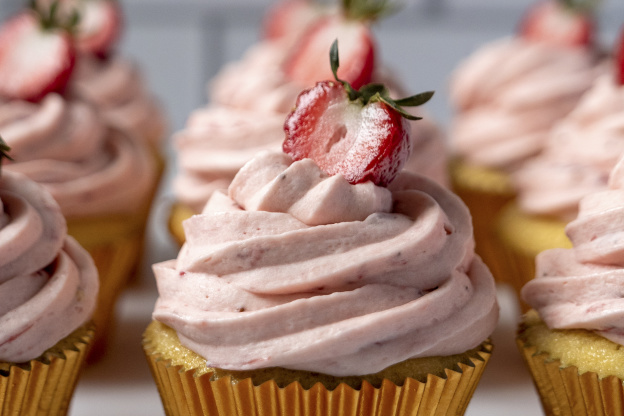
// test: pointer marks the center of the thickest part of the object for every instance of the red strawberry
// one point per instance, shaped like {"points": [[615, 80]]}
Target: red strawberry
{"points": [[100, 26], [362, 135], [306, 63], [34, 61], [288, 18], [559, 23]]}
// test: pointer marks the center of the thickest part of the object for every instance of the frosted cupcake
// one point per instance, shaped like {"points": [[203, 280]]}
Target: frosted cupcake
{"points": [[102, 179], [507, 97], [296, 291], [48, 291], [573, 343], [579, 154], [250, 99], [111, 83]]}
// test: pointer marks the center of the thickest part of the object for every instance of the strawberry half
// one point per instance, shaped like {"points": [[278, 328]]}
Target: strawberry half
{"points": [[559, 22], [288, 18], [99, 27], [33, 61], [306, 62], [361, 134]]}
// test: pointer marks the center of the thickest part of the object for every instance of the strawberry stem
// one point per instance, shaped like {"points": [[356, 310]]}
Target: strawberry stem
{"points": [[50, 18], [4, 149], [374, 92], [581, 6], [370, 10]]}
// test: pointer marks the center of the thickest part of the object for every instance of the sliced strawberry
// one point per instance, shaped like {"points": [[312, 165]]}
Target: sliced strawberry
{"points": [[559, 24], [33, 61], [288, 18], [307, 61], [362, 135], [100, 27]]}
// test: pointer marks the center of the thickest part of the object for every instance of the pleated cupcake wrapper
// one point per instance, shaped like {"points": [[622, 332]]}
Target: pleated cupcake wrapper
{"points": [[183, 393], [115, 243], [565, 392], [46, 387], [485, 193], [179, 212], [522, 238]]}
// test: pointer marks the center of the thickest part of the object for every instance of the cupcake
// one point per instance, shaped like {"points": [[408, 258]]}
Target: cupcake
{"points": [[250, 99], [102, 179], [507, 96], [48, 290], [572, 339], [579, 153], [111, 83], [296, 291]]}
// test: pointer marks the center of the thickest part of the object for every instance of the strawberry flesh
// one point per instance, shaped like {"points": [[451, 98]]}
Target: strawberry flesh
{"points": [[307, 61], [551, 22], [100, 27], [359, 142], [33, 62]]}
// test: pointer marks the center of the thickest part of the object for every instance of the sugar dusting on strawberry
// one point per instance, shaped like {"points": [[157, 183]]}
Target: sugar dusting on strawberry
{"points": [[306, 64], [360, 134], [564, 23]]}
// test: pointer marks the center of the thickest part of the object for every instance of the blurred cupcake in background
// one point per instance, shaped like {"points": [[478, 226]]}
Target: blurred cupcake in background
{"points": [[250, 98], [112, 83], [507, 96], [572, 340], [102, 179], [578, 156], [48, 291]]}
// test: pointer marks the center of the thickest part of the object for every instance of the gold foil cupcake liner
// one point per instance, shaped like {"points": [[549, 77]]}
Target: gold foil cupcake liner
{"points": [[565, 392], [522, 238], [44, 386], [179, 213], [115, 244], [485, 192], [183, 392]]}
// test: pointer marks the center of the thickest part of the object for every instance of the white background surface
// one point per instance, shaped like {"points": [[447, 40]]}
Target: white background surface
{"points": [[180, 44]]}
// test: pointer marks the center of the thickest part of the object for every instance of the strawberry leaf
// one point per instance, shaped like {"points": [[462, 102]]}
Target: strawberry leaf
{"points": [[415, 100], [4, 149]]}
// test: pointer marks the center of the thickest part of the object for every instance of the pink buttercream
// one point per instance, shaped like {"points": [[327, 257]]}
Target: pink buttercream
{"points": [[509, 94], [250, 101], [582, 287], [580, 152], [88, 167], [48, 283], [300, 270], [115, 87]]}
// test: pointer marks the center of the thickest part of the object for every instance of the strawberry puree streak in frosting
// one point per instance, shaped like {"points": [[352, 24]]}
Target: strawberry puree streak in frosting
{"points": [[581, 151], [250, 100], [89, 168], [300, 270], [508, 95], [48, 283], [582, 287]]}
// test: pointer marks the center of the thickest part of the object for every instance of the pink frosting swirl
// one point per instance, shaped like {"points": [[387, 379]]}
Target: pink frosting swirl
{"points": [[89, 168], [115, 88], [582, 287], [579, 154], [509, 94], [250, 101], [48, 283], [299, 270]]}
